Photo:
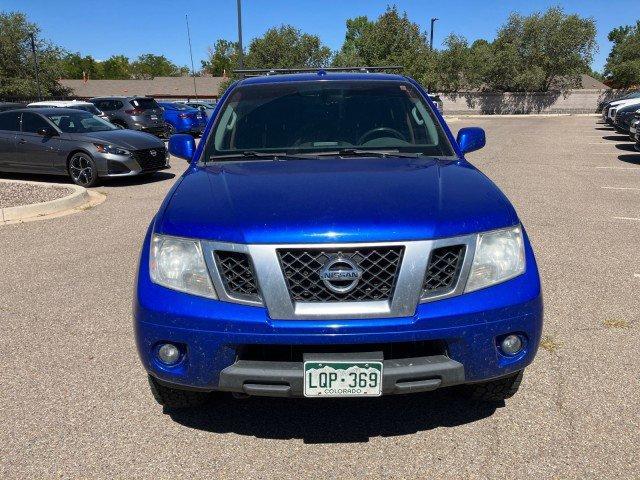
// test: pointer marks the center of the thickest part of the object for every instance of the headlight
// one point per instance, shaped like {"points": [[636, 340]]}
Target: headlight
{"points": [[113, 150], [499, 256], [178, 263]]}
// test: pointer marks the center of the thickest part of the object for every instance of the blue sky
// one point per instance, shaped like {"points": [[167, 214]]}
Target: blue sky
{"points": [[132, 27]]}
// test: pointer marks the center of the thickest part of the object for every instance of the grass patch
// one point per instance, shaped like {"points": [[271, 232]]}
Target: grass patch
{"points": [[550, 344], [616, 323]]}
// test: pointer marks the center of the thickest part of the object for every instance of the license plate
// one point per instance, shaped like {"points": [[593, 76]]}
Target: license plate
{"points": [[154, 117], [342, 379]]}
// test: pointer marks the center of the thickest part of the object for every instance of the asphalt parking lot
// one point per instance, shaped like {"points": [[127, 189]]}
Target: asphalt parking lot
{"points": [[74, 401]]}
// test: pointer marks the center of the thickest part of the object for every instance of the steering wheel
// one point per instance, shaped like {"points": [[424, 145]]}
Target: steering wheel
{"points": [[373, 131]]}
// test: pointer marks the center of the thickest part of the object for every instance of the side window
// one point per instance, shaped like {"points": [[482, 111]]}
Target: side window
{"points": [[107, 105], [10, 121], [31, 123], [117, 105]]}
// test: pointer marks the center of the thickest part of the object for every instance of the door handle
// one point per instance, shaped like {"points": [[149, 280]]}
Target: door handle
{"points": [[22, 140]]}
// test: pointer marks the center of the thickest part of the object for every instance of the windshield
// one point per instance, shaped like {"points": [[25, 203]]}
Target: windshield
{"points": [[87, 108], [144, 103], [310, 117], [80, 122]]}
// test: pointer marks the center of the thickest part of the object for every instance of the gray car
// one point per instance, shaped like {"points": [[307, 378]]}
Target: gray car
{"points": [[65, 141], [135, 113]]}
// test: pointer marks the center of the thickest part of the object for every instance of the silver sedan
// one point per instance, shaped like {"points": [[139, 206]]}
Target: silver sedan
{"points": [[75, 143]]}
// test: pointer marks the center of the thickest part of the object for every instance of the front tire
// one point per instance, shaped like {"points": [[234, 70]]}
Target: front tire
{"points": [[83, 170], [176, 398], [494, 390], [170, 129]]}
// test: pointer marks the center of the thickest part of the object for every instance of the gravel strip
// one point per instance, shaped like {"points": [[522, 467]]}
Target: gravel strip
{"points": [[15, 194]]}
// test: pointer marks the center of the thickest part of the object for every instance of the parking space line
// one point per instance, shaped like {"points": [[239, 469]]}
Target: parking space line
{"points": [[627, 218], [622, 188], [620, 168]]}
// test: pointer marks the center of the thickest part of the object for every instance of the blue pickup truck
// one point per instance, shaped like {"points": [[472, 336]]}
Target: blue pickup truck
{"points": [[329, 239]]}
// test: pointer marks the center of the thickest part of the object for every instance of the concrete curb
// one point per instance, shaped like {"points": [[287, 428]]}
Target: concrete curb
{"points": [[78, 197]]}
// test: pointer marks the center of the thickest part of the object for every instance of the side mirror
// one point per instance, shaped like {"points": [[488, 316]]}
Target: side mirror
{"points": [[471, 139], [182, 146], [47, 132]]}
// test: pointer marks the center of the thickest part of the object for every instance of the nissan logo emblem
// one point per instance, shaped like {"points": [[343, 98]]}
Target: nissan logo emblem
{"points": [[340, 275]]}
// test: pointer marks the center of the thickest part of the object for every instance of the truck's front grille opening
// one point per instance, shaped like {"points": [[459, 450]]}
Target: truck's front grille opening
{"points": [[294, 353], [443, 271], [237, 274], [341, 275]]}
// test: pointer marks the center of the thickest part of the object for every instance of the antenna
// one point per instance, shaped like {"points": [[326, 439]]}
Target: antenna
{"points": [[193, 71]]}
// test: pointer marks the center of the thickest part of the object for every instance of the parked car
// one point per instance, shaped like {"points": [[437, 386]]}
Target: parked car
{"points": [[135, 113], [205, 107], [435, 98], [329, 239], [615, 106], [73, 142], [605, 105], [180, 118], [4, 106], [623, 117], [76, 104], [634, 126]]}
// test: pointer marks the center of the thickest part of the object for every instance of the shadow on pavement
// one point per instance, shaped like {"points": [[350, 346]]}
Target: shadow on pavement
{"points": [[108, 182], [138, 179], [627, 147], [634, 159], [333, 420], [617, 138], [30, 177]]}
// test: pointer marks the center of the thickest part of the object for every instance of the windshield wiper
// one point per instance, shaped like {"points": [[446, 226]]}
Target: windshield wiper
{"points": [[357, 152], [250, 154]]}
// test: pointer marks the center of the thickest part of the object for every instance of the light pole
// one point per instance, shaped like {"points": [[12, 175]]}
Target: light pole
{"points": [[240, 51], [433, 20], [193, 71], [35, 61]]}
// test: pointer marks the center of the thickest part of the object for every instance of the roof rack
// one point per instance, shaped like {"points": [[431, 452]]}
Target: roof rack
{"points": [[281, 71]]}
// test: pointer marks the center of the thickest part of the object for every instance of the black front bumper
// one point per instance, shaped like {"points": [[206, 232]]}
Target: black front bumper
{"points": [[286, 379]]}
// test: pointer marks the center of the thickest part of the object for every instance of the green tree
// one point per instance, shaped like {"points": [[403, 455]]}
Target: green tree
{"points": [[392, 39], [149, 65], [116, 67], [478, 70], [222, 58], [76, 66], [623, 63], [17, 74], [349, 54], [453, 64], [286, 47], [542, 51]]}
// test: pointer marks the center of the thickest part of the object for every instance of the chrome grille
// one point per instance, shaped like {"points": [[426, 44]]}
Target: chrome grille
{"points": [[237, 274], [379, 272], [443, 270]]}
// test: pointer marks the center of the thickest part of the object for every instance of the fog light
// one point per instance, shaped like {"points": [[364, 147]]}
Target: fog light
{"points": [[169, 354], [511, 344]]}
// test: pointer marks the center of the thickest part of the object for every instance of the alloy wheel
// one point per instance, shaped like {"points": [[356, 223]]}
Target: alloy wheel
{"points": [[81, 169]]}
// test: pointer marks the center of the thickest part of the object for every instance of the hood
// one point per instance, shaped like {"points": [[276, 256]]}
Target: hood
{"points": [[625, 103], [334, 200], [129, 139]]}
